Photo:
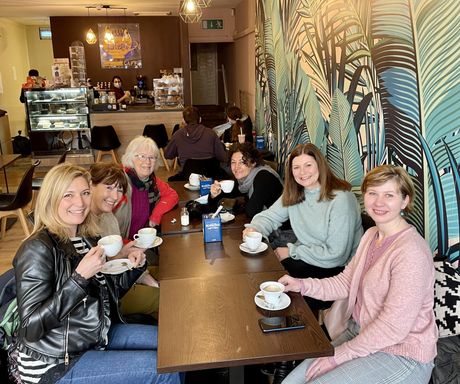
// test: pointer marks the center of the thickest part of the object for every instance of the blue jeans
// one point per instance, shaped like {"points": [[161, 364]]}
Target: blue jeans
{"points": [[130, 357], [377, 368]]}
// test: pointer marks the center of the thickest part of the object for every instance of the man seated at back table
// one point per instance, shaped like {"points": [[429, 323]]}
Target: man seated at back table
{"points": [[194, 141]]}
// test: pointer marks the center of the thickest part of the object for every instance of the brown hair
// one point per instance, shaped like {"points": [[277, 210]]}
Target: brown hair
{"points": [[108, 174], [250, 155], [294, 193], [383, 173], [235, 114], [191, 115]]}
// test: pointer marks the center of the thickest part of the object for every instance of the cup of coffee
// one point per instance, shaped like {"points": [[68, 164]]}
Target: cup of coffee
{"points": [[194, 179], [241, 138], [111, 244], [272, 291], [227, 185], [253, 240], [146, 236]]}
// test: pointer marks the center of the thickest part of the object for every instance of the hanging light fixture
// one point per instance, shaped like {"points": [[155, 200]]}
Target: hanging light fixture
{"points": [[189, 11], [203, 3], [90, 35], [108, 35]]}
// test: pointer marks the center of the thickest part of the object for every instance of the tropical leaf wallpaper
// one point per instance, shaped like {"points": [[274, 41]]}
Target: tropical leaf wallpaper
{"points": [[369, 82]]}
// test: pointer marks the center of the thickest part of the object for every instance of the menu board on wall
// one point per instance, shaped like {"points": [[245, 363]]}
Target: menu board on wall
{"points": [[123, 47]]}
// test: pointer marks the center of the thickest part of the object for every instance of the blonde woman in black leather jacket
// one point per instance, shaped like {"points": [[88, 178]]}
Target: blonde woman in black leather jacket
{"points": [[71, 330]]}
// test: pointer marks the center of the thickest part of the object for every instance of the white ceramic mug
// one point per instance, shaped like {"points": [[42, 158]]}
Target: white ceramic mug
{"points": [[146, 236], [272, 291], [227, 185], [253, 240], [111, 244], [194, 179]]}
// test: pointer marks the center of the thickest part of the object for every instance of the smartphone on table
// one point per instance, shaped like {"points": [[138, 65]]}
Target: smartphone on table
{"points": [[281, 323]]}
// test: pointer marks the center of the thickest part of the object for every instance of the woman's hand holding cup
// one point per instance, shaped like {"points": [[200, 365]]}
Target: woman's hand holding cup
{"points": [[91, 263], [137, 258], [215, 190]]}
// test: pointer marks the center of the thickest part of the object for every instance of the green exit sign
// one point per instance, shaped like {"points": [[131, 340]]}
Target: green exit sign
{"points": [[212, 24]]}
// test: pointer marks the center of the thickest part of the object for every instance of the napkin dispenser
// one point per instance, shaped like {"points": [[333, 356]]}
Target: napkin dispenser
{"points": [[205, 186], [212, 229]]}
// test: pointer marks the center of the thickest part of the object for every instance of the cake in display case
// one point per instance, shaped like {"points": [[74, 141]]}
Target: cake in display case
{"points": [[58, 118], [168, 92]]}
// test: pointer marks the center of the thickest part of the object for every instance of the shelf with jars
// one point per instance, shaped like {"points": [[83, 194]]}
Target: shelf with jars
{"points": [[168, 92]]}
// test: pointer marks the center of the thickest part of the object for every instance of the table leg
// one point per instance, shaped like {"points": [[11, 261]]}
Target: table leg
{"points": [[6, 180]]}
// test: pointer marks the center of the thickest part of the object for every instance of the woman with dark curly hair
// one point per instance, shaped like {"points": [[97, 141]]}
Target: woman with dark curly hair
{"points": [[258, 183]]}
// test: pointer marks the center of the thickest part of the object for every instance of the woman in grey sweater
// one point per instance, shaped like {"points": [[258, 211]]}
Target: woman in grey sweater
{"points": [[324, 216]]}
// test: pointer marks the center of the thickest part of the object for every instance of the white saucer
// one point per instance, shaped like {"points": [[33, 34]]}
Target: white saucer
{"points": [[192, 187], [158, 241], [226, 217], [284, 302], [202, 199], [262, 247], [116, 266]]}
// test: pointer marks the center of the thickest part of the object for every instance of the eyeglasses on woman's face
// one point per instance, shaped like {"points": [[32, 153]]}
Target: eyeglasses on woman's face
{"points": [[143, 157]]}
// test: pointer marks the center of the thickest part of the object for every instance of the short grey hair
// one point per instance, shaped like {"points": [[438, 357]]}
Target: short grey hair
{"points": [[134, 147]]}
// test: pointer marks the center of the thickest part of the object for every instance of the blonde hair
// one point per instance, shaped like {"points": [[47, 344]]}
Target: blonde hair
{"points": [[383, 173], [134, 147], [52, 191]]}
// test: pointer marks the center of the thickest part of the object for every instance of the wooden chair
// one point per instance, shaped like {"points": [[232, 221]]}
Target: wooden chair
{"points": [[13, 204]]}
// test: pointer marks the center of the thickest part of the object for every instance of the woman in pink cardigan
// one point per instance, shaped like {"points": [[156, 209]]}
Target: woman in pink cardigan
{"points": [[391, 333]]}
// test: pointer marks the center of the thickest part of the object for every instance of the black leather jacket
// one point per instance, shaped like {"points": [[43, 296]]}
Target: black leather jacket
{"points": [[61, 316]]}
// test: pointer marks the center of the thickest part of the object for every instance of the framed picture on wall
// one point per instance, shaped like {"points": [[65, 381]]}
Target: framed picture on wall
{"points": [[120, 46]]}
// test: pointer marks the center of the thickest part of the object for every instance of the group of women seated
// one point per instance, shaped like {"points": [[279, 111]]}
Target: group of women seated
{"points": [[72, 316]]}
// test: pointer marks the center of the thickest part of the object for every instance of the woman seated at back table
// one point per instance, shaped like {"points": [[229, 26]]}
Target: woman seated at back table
{"points": [[240, 124], [391, 333], [258, 183], [148, 198], [108, 185], [323, 213], [70, 327]]}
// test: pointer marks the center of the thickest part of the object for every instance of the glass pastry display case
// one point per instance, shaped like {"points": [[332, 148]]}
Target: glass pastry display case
{"points": [[168, 92], [58, 118]]}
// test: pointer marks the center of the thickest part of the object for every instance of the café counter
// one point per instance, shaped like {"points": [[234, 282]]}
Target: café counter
{"points": [[130, 122]]}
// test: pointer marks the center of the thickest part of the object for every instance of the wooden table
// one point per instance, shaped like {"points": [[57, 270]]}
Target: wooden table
{"points": [[187, 256], [212, 322], [170, 223], [184, 193], [6, 160]]}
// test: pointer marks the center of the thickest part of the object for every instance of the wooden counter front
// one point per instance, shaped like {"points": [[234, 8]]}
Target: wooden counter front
{"points": [[129, 124]]}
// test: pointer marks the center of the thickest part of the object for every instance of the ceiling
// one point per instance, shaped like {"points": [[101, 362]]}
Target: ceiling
{"points": [[36, 12]]}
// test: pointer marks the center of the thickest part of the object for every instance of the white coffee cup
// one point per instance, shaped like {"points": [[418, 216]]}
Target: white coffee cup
{"points": [[111, 244], [146, 236], [272, 291], [194, 179], [241, 138], [227, 185], [253, 240]]}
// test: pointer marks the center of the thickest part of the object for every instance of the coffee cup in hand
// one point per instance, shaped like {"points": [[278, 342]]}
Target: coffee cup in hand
{"points": [[111, 244], [146, 236], [194, 179], [227, 185], [272, 291], [253, 240]]}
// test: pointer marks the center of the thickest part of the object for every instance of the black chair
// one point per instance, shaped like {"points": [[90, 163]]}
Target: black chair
{"points": [[105, 140], [157, 132], [209, 167], [38, 181], [175, 129], [13, 204]]}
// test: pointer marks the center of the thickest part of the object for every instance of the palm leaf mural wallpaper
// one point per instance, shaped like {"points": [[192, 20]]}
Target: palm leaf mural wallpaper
{"points": [[369, 82]]}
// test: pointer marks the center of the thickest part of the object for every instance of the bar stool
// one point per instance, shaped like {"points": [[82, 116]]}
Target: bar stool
{"points": [[13, 204], [157, 132], [105, 140]]}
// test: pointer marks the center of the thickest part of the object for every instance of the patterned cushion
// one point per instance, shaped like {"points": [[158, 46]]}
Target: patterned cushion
{"points": [[447, 299]]}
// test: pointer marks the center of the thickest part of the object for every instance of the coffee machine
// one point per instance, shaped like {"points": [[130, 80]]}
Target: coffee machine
{"points": [[141, 89]]}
